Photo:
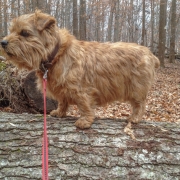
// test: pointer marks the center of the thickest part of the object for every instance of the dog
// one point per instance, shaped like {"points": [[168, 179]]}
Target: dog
{"points": [[87, 74]]}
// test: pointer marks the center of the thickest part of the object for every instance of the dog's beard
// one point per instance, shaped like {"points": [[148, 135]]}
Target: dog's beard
{"points": [[27, 53]]}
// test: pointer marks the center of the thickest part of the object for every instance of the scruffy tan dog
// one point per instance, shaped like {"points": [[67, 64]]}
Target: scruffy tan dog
{"points": [[87, 74]]}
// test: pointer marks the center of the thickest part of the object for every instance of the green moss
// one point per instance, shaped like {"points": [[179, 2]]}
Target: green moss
{"points": [[39, 115], [2, 66]]}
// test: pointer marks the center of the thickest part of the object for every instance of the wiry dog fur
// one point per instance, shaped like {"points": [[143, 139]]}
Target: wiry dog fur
{"points": [[87, 74]]}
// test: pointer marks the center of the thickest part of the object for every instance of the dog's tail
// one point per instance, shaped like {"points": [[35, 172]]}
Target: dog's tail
{"points": [[156, 62]]}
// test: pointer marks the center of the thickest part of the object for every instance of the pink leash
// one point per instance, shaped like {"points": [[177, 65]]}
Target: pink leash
{"points": [[45, 138]]}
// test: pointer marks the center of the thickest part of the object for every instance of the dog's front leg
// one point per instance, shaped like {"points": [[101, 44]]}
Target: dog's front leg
{"points": [[61, 110], [87, 113]]}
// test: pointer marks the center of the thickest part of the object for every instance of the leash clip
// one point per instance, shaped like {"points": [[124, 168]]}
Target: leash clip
{"points": [[45, 74]]}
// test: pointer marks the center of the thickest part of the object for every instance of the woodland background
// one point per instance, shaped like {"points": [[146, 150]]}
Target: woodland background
{"points": [[104, 151], [152, 23]]}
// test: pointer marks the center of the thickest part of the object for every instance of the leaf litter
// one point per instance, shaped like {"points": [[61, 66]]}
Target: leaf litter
{"points": [[163, 101]]}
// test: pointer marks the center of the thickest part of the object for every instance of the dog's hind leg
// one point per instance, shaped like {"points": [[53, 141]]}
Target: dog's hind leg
{"points": [[138, 109], [61, 110], [87, 113]]}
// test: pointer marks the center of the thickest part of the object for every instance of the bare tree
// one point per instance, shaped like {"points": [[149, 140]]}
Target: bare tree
{"points": [[1, 20], [68, 14], [34, 4], [97, 21], [57, 10], [152, 25], [48, 6], [173, 30], [143, 23], [110, 21], [75, 19], [116, 23], [130, 22], [103, 20], [82, 20], [5, 12], [162, 31]]}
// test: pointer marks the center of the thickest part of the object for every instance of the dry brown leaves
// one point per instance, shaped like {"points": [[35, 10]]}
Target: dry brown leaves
{"points": [[163, 102]]}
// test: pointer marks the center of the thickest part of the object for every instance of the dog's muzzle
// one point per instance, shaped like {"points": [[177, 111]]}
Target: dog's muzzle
{"points": [[4, 43]]}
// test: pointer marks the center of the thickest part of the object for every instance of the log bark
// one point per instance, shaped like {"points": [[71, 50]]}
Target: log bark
{"points": [[103, 152]]}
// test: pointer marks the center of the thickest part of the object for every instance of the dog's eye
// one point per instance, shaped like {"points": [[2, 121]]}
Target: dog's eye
{"points": [[24, 33]]}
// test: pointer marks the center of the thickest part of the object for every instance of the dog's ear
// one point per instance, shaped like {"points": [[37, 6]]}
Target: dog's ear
{"points": [[43, 21]]}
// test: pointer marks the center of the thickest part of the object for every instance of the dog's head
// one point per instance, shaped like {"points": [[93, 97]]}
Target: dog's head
{"points": [[31, 40]]}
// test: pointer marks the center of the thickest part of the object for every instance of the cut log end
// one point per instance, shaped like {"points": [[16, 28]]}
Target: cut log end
{"points": [[35, 97], [19, 92]]}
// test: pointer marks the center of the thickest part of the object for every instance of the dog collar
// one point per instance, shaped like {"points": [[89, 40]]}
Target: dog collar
{"points": [[46, 64]]}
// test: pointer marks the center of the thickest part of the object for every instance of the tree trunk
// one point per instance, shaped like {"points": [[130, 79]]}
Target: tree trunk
{"points": [[34, 5], [173, 32], [97, 21], [1, 20], [116, 22], [152, 26], [131, 22], [103, 29], [110, 21], [67, 15], [82, 20], [75, 19], [5, 17], [48, 6], [18, 8], [162, 31], [57, 13], [143, 23], [103, 152]]}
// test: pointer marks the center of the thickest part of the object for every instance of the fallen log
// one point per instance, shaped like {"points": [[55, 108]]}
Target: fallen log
{"points": [[103, 152]]}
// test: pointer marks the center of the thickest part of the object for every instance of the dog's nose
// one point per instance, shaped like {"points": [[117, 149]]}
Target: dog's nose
{"points": [[4, 43]]}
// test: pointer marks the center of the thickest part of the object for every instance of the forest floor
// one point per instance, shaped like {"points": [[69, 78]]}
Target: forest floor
{"points": [[163, 102]]}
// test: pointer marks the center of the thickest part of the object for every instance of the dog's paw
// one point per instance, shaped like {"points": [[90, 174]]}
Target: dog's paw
{"points": [[134, 120], [84, 123], [56, 113]]}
